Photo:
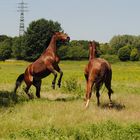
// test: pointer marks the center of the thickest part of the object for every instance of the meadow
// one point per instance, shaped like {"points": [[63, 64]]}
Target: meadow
{"points": [[60, 113]]}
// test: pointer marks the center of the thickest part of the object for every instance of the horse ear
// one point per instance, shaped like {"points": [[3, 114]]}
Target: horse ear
{"points": [[93, 43], [57, 33], [90, 43]]}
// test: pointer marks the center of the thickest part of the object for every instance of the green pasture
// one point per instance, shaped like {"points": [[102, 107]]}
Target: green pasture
{"points": [[60, 113]]}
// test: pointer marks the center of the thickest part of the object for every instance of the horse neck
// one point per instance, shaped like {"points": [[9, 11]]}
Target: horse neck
{"points": [[92, 53], [52, 45]]}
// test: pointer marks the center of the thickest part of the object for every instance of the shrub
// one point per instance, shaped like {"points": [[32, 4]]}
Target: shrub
{"points": [[18, 48], [5, 49], [95, 131], [134, 56], [124, 53], [72, 86], [106, 49], [110, 58]]}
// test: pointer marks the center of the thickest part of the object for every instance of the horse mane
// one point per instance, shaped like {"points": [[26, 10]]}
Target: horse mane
{"points": [[92, 50]]}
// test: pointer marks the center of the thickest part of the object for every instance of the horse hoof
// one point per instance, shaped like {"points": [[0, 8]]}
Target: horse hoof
{"points": [[53, 86], [59, 85], [30, 96], [38, 96], [98, 104], [110, 105]]}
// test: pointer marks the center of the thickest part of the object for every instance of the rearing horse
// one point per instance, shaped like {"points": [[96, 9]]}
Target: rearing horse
{"points": [[46, 64], [97, 72]]}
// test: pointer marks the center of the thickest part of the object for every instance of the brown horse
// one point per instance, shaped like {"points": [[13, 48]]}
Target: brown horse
{"points": [[46, 64], [97, 72]]}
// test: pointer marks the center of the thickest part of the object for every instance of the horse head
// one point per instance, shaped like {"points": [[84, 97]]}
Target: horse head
{"points": [[62, 36], [92, 49]]}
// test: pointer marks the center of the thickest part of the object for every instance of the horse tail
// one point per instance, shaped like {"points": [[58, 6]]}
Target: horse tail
{"points": [[19, 81]]}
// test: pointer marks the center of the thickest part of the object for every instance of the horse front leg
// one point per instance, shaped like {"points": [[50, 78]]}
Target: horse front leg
{"points": [[60, 78], [54, 80], [88, 92], [57, 68]]}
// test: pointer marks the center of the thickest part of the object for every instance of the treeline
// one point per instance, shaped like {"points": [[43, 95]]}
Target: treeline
{"points": [[37, 37]]}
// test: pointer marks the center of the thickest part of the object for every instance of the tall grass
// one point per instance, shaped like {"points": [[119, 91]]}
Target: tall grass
{"points": [[59, 115]]}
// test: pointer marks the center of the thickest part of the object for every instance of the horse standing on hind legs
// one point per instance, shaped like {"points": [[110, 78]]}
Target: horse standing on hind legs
{"points": [[46, 64], [97, 72]]}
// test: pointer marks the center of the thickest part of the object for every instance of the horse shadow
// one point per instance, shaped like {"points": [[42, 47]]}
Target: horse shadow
{"points": [[115, 105], [9, 98], [6, 98]]}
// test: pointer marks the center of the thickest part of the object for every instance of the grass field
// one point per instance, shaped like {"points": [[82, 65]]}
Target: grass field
{"points": [[60, 113]]}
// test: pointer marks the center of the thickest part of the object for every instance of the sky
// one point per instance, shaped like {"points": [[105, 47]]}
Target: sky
{"points": [[98, 20]]}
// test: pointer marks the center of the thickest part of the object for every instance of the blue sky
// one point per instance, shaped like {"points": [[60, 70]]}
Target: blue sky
{"points": [[96, 20]]}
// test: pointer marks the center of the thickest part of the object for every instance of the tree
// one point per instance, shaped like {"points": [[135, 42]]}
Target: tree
{"points": [[3, 37], [106, 49], [5, 49], [76, 53], [62, 51], [124, 53], [120, 41], [134, 56], [76, 50], [38, 36], [18, 47], [136, 42]]}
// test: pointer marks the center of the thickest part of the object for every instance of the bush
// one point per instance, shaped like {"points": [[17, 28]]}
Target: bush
{"points": [[5, 49], [18, 47], [76, 53], [96, 131], [124, 53], [72, 86], [110, 58], [106, 49], [134, 56]]}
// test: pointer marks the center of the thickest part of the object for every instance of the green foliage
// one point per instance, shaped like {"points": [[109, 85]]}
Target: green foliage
{"points": [[120, 41], [136, 42], [62, 52], [105, 131], [110, 58], [40, 119], [106, 49], [72, 86], [124, 53], [7, 99], [76, 53], [38, 36], [18, 50], [134, 56], [5, 49], [76, 50], [3, 37]]}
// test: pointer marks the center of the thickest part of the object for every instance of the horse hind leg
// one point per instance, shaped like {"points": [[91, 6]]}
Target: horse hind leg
{"points": [[27, 90], [110, 91], [98, 95], [37, 84]]}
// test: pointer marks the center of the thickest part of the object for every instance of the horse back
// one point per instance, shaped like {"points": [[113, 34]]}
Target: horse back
{"points": [[98, 68]]}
